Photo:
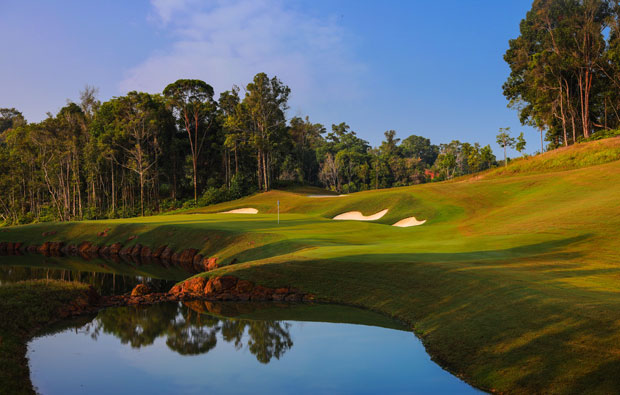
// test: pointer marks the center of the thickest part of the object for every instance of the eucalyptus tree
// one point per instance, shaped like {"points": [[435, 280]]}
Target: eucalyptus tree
{"points": [[505, 140], [520, 143], [307, 138], [264, 109], [559, 67], [193, 104], [137, 123]]}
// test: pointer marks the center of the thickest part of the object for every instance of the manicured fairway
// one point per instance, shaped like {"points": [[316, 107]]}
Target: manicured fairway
{"points": [[513, 282]]}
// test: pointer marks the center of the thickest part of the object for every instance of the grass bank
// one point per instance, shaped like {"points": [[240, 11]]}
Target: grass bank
{"points": [[512, 283], [25, 308]]}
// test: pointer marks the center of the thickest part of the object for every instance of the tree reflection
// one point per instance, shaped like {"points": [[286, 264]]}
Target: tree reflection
{"points": [[190, 332], [104, 283]]}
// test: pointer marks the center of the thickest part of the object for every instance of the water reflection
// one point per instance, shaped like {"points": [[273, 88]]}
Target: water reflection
{"points": [[190, 332], [105, 283], [108, 277], [235, 348]]}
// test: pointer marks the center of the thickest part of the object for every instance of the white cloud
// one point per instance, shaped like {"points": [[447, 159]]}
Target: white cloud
{"points": [[228, 42]]}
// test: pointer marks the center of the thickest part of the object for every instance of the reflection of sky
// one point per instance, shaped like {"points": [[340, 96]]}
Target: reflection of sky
{"points": [[325, 358]]}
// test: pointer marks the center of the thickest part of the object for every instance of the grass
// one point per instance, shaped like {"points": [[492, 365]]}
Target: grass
{"points": [[512, 283], [26, 307]]}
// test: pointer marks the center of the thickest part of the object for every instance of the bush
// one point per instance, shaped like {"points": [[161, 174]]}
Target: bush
{"points": [[601, 134]]}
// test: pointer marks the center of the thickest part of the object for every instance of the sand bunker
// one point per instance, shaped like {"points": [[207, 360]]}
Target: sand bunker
{"points": [[407, 222], [358, 216], [247, 210]]}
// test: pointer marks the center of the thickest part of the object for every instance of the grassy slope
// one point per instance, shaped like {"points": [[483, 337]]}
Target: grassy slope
{"points": [[25, 308], [512, 282]]}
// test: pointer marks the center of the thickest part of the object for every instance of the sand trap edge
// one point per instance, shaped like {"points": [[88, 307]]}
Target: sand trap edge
{"points": [[408, 222], [358, 216], [246, 210]]}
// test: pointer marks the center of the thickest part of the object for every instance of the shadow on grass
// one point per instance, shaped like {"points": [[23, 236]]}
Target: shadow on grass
{"points": [[505, 327]]}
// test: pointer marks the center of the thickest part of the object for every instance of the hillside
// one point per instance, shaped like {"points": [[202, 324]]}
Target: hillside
{"points": [[512, 282]]}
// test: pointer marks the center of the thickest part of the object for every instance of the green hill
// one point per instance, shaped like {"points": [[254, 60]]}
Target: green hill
{"points": [[513, 282]]}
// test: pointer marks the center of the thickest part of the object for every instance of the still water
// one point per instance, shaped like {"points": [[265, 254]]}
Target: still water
{"points": [[200, 347], [107, 276]]}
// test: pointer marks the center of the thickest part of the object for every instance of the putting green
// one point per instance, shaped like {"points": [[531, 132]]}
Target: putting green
{"points": [[513, 281]]}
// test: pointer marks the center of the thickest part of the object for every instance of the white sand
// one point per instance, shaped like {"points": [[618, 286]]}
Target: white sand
{"points": [[407, 222], [247, 210], [358, 216]]}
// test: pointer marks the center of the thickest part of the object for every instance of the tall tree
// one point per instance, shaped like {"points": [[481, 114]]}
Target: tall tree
{"points": [[192, 102], [520, 143], [265, 104], [505, 140], [557, 63]]}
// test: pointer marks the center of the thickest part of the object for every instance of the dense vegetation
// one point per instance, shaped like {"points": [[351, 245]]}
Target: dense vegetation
{"points": [[565, 69], [143, 153]]}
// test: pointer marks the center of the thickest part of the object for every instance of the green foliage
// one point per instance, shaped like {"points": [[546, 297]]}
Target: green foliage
{"points": [[142, 154], [565, 69]]}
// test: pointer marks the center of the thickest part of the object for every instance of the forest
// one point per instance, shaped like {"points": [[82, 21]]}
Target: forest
{"points": [[143, 153]]}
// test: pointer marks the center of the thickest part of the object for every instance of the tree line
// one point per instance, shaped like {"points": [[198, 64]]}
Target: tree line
{"points": [[565, 70], [144, 153]]}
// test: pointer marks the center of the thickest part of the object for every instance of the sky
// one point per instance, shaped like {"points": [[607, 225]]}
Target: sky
{"points": [[430, 68]]}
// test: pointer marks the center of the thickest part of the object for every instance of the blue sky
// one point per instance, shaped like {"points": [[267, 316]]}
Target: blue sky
{"points": [[419, 67]]}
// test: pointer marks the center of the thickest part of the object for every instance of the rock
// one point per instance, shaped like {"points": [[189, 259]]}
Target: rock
{"points": [[44, 248], [280, 291], [177, 289], [244, 287], [141, 289], [125, 251], [166, 254], [278, 297], [130, 238], [32, 249], [3, 247], [105, 251], [187, 256], [56, 247], [195, 285], [210, 287], [93, 250], [260, 293], [225, 283], [115, 248], [212, 264], [84, 247], [174, 258], [158, 251], [135, 251], [145, 252], [17, 246]]}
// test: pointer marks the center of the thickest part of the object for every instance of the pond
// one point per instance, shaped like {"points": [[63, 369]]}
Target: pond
{"points": [[202, 347], [198, 347], [107, 276]]}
